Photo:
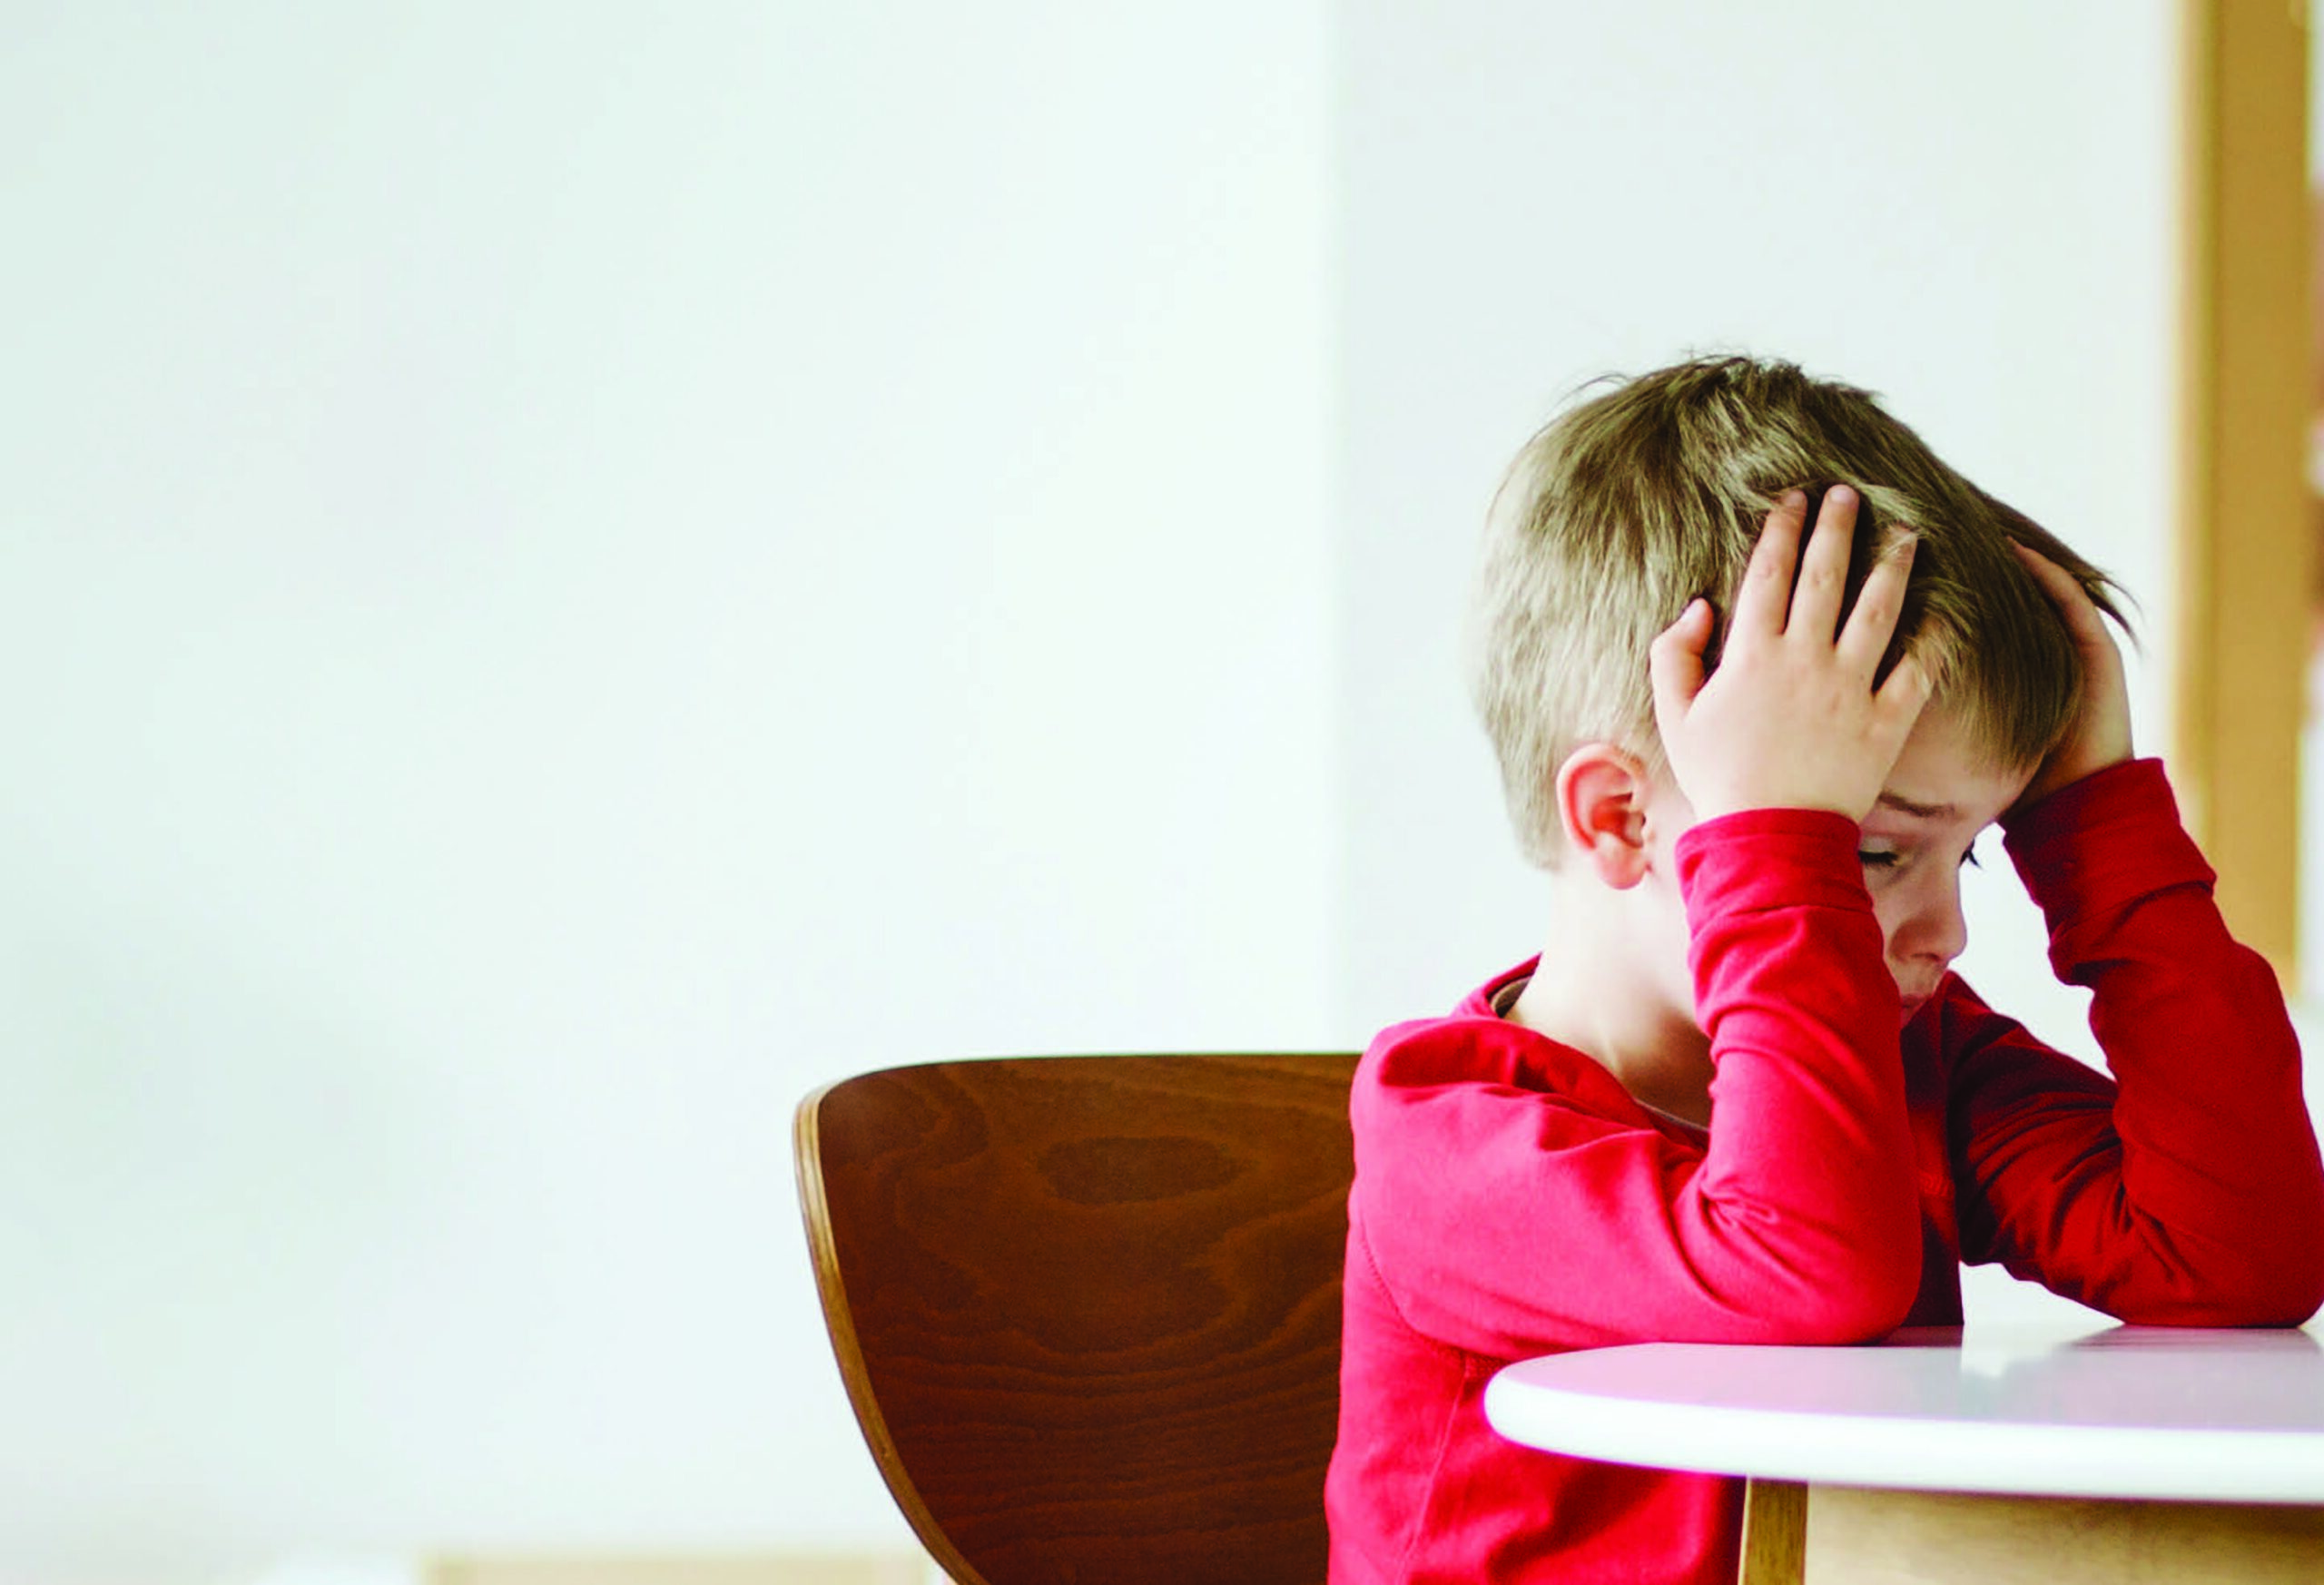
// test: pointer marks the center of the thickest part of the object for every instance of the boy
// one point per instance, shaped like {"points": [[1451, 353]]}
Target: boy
{"points": [[1739, 1098]]}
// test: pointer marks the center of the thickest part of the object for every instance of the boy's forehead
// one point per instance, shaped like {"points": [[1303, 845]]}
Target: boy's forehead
{"points": [[1945, 771]]}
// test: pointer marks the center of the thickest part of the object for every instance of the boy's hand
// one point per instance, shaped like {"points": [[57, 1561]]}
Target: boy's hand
{"points": [[1791, 720], [2099, 736]]}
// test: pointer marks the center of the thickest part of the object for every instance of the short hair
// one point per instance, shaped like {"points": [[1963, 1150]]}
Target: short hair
{"points": [[1623, 508]]}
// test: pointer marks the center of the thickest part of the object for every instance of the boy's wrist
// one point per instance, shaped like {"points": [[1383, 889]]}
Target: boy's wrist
{"points": [[2099, 842], [2070, 804], [1770, 858], [1723, 805], [2053, 779]]}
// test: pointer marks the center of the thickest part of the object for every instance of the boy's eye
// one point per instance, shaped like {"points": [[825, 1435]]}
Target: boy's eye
{"points": [[1882, 858]]}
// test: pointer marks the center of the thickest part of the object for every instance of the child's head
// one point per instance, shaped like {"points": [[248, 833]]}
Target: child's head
{"points": [[1626, 507]]}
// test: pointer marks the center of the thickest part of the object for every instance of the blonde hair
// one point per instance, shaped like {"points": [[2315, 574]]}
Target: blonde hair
{"points": [[1623, 508]]}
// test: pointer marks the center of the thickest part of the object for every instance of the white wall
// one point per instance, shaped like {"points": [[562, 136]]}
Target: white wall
{"points": [[569, 573]]}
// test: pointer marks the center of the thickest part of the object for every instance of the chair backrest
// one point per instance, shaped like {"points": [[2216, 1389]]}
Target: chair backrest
{"points": [[1087, 1308]]}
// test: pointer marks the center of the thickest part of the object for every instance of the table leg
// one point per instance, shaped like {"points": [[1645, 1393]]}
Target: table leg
{"points": [[1775, 1533], [1867, 1536]]}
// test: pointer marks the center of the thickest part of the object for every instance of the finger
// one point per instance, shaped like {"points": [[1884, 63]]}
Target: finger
{"points": [[1824, 568], [1765, 595], [1675, 662], [2067, 593], [1878, 605], [1906, 690]]}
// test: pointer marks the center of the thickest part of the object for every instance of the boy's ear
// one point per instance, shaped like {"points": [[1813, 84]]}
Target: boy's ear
{"points": [[1601, 802]]}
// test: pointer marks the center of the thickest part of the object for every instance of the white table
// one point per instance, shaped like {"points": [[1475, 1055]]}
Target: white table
{"points": [[1994, 1455]]}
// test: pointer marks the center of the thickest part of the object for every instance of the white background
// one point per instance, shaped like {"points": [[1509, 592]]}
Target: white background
{"points": [[569, 573]]}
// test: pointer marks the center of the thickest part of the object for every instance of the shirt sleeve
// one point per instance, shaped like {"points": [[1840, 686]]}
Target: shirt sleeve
{"points": [[2185, 1189], [1506, 1219]]}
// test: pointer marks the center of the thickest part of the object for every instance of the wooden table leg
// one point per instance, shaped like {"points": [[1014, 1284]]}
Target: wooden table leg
{"points": [[1775, 1533], [1864, 1536]]}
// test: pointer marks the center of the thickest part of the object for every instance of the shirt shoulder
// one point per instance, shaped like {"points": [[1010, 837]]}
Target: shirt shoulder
{"points": [[1476, 1049]]}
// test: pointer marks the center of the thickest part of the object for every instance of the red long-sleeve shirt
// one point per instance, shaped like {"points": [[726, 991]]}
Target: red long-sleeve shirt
{"points": [[1512, 1200]]}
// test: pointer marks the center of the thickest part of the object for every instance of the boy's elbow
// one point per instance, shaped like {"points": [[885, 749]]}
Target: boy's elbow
{"points": [[2279, 1279], [2268, 1299], [1883, 1303], [2303, 1280], [1865, 1299], [2284, 1292], [1829, 1280], [2294, 1307], [2275, 1281]]}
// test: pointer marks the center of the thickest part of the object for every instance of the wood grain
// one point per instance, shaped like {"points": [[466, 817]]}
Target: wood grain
{"points": [[1775, 1533], [2242, 615], [593, 1568], [1088, 1308], [1860, 1537]]}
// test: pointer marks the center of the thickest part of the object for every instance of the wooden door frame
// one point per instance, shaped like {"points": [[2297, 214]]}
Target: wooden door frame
{"points": [[2241, 606]]}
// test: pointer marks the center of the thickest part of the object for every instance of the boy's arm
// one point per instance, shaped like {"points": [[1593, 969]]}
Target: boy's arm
{"points": [[2194, 1195], [1507, 1221], [2189, 1191]]}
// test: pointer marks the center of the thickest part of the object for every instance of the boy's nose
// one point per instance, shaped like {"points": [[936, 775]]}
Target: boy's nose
{"points": [[1936, 932]]}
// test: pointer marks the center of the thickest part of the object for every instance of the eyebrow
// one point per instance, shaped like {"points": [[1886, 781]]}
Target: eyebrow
{"points": [[1918, 811]]}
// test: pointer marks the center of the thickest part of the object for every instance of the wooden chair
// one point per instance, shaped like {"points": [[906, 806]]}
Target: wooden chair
{"points": [[1087, 1308]]}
